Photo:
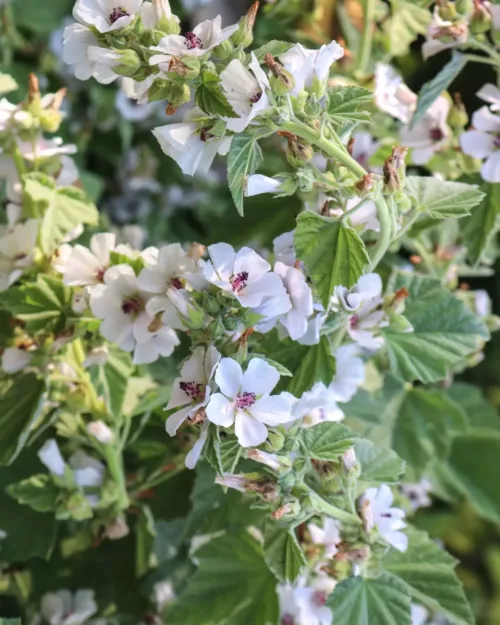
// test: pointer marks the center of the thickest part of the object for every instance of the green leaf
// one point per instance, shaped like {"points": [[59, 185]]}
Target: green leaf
{"points": [[19, 401], [480, 413], [273, 47], [112, 378], [429, 573], [407, 22], [282, 552], [243, 159], [443, 199], [63, 209], [475, 468], [317, 365], [42, 18], [282, 370], [445, 332], [168, 539], [382, 600], [145, 542], [483, 224], [332, 252], [212, 449], [378, 465], [431, 90], [327, 441], [7, 83], [232, 585], [41, 305], [137, 264], [343, 104], [38, 492], [209, 96]]}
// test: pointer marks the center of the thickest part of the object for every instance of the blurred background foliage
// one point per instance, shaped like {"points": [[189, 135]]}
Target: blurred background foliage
{"points": [[133, 183]]}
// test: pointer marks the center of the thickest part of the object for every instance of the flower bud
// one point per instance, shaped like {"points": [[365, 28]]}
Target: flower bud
{"points": [[178, 95], [128, 64], [464, 7], [289, 511], [187, 68], [117, 529], [447, 10], [277, 463], [392, 183], [365, 185], [224, 50], [165, 19], [282, 81], [312, 107], [100, 431], [50, 120], [275, 441], [480, 21], [244, 35], [458, 117]]}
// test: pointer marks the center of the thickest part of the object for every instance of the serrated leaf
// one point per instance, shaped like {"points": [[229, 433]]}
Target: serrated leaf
{"points": [[481, 414], [282, 552], [273, 47], [431, 90], [327, 441], [383, 600], [443, 199], [111, 380], [332, 252], [19, 401], [483, 224], [408, 20], [243, 159], [344, 102], [62, 209], [212, 449], [38, 492], [378, 465], [317, 365], [445, 332], [210, 98], [231, 585], [428, 571]]}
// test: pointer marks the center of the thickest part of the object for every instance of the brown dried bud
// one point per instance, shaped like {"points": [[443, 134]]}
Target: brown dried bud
{"points": [[391, 178], [365, 184], [33, 87], [399, 155]]}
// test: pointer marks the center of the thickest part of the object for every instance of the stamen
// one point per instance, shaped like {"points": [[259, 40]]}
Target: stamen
{"points": [[245, 400], [116, 14], [193, 41], [176, 283], [192, 389], [132, 305], [255, 97], [436, 134], [239, 281]]}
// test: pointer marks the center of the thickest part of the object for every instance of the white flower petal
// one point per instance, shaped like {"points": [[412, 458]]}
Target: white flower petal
{"points": [[229, 376], [249, 431], [220, 410], [260, 377], [272, 410]]}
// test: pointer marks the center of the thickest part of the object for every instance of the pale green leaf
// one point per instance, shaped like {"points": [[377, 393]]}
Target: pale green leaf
{"points": [[317, 365], [429, 573], [378, 465], [243, 159], [481, 414], [327, 441], [443, 199], [445, 332], [408, 20], [212, 448], [383, 600], [282, 552], [112, 378], [38, 492], [431, 90], [210, 98], [343, 104], [145, 532], [483, 224], [272, 47], [332, 252], [7, 83]]}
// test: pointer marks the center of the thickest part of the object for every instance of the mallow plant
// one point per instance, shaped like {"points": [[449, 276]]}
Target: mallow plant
{"points": [[307, 401]]}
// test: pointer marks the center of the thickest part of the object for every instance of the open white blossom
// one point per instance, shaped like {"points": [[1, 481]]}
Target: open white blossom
{"points": [[106, 15], [349, 375], [328, 535], [430, 134], [377, 512], [173, 268], [443, 35], [244, 274], [245, 90], [391, 94], [15, 359], [304, 604], [190, 144], [256, 184], [295, 320], [79, 43], [245, 400], [65, 608], [418, 493], [82, 266], [16, 251], [284, 249], [315, 406], [367, 287], [191, 391], [197, 42]]}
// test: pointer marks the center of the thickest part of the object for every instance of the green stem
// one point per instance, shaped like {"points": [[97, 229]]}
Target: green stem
{"points": [[479, 45], [475, 58], [367, 36], [354, 210], [385, 218], [114, 461], [407, 226]]}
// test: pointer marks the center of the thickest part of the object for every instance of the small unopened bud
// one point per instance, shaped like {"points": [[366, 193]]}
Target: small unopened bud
{"points": [[244, 35], [458, 117], [117, 529], [96, 356], [178, 95], [312, 107], [288, 511], [165, 19], [33, 87], [365, 185], [224, 50], [367, 515], [282, 81], [298, 152], [447, 10], [464, 7], [100, 431], [128, 64], [480, 20], [273, 461], [349, 459], [392, 182], [275, 441], [187, 68]]}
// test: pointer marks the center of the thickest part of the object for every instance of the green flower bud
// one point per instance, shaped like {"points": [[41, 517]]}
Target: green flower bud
{"points": [[447, 11], [151, 37], [458, 117], [464, 7], [187, 68], [288, 511], [282, 82], [275, 441], [244, 35], [224, 50], [480, 20], [129, 63], [50, 120], [312, 107], [179, 95]]}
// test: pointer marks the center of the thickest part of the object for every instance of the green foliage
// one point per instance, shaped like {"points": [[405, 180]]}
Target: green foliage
{"points": [[479, 229], [232, 584], [344, 102], [327, 441], [7, 83], [408, 20], [38, 492], [316, 365], [378, 465], [282, 552], [41, 18], [445, 331], [112, 379], [272, 47], [429, 574], [370, 601], [443, 199], [332, 252], [209, 96], [243, 159]]}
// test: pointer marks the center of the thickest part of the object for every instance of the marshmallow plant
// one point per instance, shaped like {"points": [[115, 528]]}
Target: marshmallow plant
{"points": [[242, 419]]}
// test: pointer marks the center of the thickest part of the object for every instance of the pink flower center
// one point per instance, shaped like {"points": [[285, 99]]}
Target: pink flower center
{"points": [[353, 321], [287, 620], [116, 14], [239, 281], [192, 389], [100, 274], [245, 400], [193, 41], [496, 141], [132, 305], [255, 97], [176, 283], [319, 598], [436, 134]]}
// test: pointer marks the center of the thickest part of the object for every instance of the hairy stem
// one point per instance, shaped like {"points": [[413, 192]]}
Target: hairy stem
{"points": [[114, 461], [384, 240], [367, 36]]}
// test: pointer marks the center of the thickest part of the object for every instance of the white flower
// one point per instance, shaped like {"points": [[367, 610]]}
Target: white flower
{"points": [[482, 303], [100, 431], [391, 94], [190, 144], [164, 593], [314, 325], [245, 400], [418, 493], [315, 406], [66, 608], [494, 9], [244, 274], [367, 287], [197, 42], [84, 266], [154, 339], [245, 91], [328, 535], [443, 34], [139, 89], [97, 356], [190, 391], [45, 148], [295, 320], [490, 93], [194, 454], [78, 41], [16, 252], [257, 184], [88, 472], [376, 505], [307, 65], [152, 13], [430, 134], [272, 309], [51, 457], [349, 375], [284, 248], [483, 142], [419, 614], [15, 359], [106, 15], [363, 148], [366, 215], [305, 604]]}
